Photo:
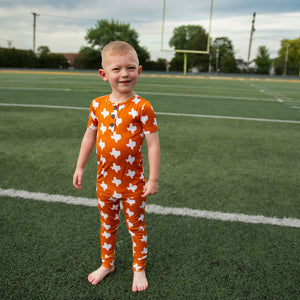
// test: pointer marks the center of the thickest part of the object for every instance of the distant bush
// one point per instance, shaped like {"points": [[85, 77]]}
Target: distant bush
{"points": [[88, 58], [15, 58], [159, 65]]}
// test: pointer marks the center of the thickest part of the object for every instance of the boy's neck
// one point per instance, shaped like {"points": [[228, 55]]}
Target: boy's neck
{"points": [[119, 98]]}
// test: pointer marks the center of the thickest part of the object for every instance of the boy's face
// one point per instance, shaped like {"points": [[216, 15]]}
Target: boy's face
{"points": [[122, 72]]}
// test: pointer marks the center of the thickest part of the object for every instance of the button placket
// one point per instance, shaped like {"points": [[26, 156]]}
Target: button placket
{"points": [[113, 115]]}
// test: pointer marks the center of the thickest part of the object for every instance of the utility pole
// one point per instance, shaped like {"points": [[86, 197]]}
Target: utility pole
{"points": [[250, 42], [34, 28]]}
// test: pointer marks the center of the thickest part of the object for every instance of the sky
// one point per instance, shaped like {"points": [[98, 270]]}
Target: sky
{"points": [[62, 24]]}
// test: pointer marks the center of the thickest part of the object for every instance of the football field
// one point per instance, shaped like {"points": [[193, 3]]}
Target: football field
{"points": [[224, 225]]}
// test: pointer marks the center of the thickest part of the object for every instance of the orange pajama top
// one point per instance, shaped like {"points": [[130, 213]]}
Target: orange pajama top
{"points": [[121, 128]]}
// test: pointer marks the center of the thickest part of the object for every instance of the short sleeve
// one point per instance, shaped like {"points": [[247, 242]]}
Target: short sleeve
{"points": [[93, 120], [148, 119]]}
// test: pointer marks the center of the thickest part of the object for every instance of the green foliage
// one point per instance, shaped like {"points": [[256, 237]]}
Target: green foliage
{"points": [[189, 37], [43, 50], [159, 65], [88, 58], [105, 32], [293, 60], [228, 63], [226, 59], [13, 58], [224, 44], [52, 61], [177, 62], [278, 64], [263, 60]]}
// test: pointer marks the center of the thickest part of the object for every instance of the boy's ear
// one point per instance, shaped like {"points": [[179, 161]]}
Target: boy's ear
{"points": [[140, 68], [103, 74]]}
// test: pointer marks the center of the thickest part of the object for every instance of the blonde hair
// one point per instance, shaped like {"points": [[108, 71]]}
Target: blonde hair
{"points": [[117, 48]]}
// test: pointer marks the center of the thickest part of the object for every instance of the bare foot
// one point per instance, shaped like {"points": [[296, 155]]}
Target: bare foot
{"points": [[99, 274], [140, 282]]}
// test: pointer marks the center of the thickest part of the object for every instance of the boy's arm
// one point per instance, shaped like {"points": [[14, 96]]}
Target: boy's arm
{"points": [[151, 187], [87, 145]]}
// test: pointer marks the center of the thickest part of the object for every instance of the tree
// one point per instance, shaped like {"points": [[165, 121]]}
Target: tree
{"points": [[226, 60], [88, 58], [189, 37], [228, 63], [293, 59], [263, 60], [14, 58], [43, 50], [159, 65], [105, 32], [51, 60]]}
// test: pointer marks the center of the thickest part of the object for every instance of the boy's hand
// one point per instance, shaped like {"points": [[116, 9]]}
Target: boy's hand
{"points": [[150, 188], [77, 178]]}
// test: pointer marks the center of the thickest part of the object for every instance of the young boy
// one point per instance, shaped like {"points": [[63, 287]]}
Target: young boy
{"points": [[118, 124]]}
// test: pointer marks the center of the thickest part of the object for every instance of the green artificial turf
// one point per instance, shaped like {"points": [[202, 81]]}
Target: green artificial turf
{"points": [[221, 165], [227, 165], [47, 251]]}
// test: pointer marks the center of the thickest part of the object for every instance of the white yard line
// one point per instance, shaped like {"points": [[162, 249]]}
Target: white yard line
{"points": [[157, 209], [205, 96], [150, 93], [228, 117], [158, 113]]}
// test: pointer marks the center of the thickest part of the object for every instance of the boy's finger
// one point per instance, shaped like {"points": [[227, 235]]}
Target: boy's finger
{"points": [[77, 183], [78, 186], [145, 194]]}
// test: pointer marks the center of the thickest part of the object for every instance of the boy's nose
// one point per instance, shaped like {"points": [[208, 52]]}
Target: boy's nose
{"points": [[124, 73]]}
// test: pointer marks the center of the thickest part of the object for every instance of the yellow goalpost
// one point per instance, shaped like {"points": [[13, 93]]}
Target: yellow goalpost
{"points": [[182, 50]]}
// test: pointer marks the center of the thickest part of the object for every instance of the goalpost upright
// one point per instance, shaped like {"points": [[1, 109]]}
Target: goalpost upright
{"points": [[183, 50]]}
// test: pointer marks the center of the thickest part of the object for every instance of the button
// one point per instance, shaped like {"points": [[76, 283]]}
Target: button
{"points": [[113, 116], [111, 125], [115, 107]]}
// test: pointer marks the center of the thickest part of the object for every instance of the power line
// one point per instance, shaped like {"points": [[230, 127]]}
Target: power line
{"points": [[67, 17], [88, 19]]}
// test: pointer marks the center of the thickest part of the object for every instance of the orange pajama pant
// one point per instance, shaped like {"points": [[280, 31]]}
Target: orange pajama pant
{"points": [[134, 211]]}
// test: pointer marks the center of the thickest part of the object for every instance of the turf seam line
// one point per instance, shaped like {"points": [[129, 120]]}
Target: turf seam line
{"points": [[35, 89], [158, 113], [157, 209], [44, 106]]}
